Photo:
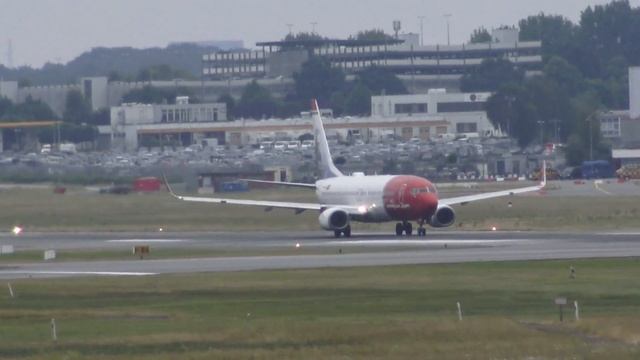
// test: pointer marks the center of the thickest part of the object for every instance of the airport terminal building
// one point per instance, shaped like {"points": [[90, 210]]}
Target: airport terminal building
{"points": [[402, 56], [420, 116]]}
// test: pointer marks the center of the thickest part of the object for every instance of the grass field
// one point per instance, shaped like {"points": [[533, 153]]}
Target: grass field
{"points": [[41, 210], [382, 312]]}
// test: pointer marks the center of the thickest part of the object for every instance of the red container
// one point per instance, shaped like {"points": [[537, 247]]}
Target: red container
{"points": [[147, 184]]}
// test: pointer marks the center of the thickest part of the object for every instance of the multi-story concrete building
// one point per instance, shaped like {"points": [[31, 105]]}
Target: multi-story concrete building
{"points": [[283, 58], [463, 111], [132, 124]]}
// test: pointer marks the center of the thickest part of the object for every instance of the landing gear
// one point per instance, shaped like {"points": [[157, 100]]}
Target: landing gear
{"points": [[421, 230], [408, 228], [404, 227], [346, 231]]}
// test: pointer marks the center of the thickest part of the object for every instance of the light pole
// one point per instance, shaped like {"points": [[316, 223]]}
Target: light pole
{"points": [[510, 100], [541, 123], [590, 121], [313, 27], [448, 16], [421, 30]]}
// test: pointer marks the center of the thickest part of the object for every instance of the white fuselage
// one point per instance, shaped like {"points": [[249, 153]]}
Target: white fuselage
{"points": [[361, 191]]}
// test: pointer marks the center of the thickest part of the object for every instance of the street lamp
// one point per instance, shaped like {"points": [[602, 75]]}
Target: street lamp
{"points": [[421, 30], [313, 27], [541, 123], [448, 16], [590, 121]]}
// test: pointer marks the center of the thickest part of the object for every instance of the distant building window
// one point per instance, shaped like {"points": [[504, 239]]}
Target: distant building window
{"points": [[424, 133], [415, 108], [610, 127], [440, 130], [466, 127], [407, 132], [447, 107]]}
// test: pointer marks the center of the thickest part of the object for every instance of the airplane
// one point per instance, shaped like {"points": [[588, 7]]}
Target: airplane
{"points": [[343, 199]]}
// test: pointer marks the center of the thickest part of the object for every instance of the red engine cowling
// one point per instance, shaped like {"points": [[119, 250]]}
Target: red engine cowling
{"points": [[443, 217], [334, 219]]}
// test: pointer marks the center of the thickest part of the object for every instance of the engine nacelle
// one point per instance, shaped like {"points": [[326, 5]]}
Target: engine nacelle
{"points": [[444, 217], [334, 219]]}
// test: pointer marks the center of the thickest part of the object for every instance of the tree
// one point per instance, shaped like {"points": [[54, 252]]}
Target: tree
{"points": [[162, 72], [359, 100], [30, 109], [231, 105], [511, 108], [303, 36], [256, 102], [557, 34], [153, 95], [77, 109], [490, 75], [480, 35], [318, 80], [378, 79], [100, 117], [373, 35], [5, 105], [565, 74]]}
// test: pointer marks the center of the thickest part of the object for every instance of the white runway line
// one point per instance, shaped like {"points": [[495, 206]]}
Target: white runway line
{"points": [[424, 242], [146, 240], [620, 234], [102, 273], [597, 184]]}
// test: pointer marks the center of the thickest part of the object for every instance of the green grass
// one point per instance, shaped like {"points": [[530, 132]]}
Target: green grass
{"points": [[382, 312], [79, 210], [156, 253]]}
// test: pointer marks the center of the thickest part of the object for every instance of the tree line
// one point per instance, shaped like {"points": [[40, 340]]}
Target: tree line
{"points": [[585, 71]]}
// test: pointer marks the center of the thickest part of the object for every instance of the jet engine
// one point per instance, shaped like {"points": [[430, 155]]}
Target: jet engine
{"points": [[443, 217], [334, 219]]}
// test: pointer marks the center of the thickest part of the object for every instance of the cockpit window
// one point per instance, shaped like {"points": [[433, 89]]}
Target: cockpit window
{"points": [[416, 191]]}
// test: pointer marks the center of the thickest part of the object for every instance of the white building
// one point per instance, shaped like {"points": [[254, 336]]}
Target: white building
{"points": [[131, 122], [463, 111]]}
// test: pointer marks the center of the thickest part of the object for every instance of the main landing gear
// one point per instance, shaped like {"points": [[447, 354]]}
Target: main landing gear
{"points": [[406, 228], [346, 231]]}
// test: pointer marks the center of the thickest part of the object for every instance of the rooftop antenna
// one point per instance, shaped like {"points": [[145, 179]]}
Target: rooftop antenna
{"points": [[396, 27]]}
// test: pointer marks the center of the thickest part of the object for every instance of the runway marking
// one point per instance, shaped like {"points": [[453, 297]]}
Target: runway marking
{"points": [[597, 184], [104, 273], [422, 242], [146, 240], [620, 233]]}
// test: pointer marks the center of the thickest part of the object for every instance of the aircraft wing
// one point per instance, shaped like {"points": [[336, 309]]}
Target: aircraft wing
{"points": [[268, 205], [490, 195], [495, 194], [282, 183]]}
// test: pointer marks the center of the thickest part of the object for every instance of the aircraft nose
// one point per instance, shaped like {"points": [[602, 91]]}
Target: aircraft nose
{"points": [[428, 203]]}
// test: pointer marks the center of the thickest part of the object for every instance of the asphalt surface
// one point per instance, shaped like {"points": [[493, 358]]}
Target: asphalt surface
{"points": [[371, 249]]}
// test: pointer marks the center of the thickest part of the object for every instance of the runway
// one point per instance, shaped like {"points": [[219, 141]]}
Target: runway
{"points": [[368, 249]]}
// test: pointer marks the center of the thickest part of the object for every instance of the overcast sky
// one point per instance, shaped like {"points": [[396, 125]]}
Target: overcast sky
{"points": [[60, 30]]}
